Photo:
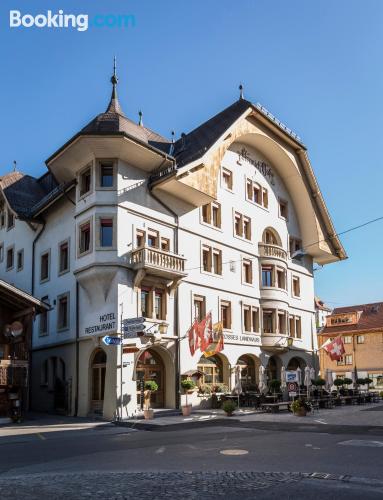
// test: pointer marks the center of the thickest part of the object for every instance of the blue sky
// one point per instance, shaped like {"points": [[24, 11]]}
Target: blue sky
{"points": [[317, 65]]}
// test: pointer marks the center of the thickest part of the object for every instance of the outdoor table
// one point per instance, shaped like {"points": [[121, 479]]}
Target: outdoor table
{"points": [[275, 407]]}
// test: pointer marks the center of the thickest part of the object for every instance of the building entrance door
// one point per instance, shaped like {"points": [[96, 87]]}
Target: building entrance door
{"points": [[151, 367], [98, 381]]}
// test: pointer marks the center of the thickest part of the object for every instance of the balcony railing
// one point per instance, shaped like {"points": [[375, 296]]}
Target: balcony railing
{"points": [[266, 250], [158, 260]]}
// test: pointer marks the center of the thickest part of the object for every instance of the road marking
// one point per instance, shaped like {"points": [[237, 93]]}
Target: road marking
{"points": [[43, 438], [234, 452], [308, 445], [362, 442], [161, 449], [320, 422]]}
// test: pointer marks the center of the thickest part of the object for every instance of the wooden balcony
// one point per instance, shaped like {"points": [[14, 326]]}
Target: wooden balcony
{"points": [[158, 262], [272, 251]]}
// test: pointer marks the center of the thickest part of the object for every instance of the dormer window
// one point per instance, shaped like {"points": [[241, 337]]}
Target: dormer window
{"points": [[85, 182], [106, 175]]}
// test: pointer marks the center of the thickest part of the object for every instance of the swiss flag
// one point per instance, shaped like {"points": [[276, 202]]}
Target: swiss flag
{"points": [[194, 341], [205, 332], [335, 349]]}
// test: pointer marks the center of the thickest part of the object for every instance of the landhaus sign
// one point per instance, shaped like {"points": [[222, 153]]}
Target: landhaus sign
{"points": [[260, 165], [107, 322]]}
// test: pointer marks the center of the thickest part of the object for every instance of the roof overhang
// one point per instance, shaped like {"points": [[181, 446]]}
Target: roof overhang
{"points": [[16, 299]]}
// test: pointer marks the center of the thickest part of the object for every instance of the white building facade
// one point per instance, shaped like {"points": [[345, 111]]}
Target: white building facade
{"points": [[227, 219]]}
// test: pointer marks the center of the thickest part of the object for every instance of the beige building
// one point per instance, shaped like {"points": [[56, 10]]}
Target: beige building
{"points": [[361, 328]]}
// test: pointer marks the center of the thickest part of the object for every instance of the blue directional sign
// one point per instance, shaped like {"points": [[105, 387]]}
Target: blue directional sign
{"points": [[112, 340]]}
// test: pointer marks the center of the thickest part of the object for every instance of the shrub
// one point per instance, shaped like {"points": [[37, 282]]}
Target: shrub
{"points": [[299, 404], [150, 385], [275, 385], [338, 382], [360, 381], [187, 385], [319, 382], [229, 406], [368, 380], [347, 381]]}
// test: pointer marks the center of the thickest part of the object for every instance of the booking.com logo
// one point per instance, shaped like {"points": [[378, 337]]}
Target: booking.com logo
{"points": [[80, 22]]}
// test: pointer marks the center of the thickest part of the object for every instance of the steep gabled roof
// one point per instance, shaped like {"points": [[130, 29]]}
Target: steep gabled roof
{"points": [[371, 318]]}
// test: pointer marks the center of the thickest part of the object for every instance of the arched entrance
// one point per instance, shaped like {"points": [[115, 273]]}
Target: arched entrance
{"points": [[295, 363], [248, 373], [212, 370], [273, 369], [98, 370], [151, 367]]}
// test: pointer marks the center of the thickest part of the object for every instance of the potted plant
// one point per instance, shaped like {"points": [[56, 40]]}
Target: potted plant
{"points": [[338, 382], [150, 386], [368, 381], [229, 407], [300, 407], [275, 386], [188, 387]]}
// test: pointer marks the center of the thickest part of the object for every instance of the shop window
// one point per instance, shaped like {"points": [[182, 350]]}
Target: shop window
{"points": [[63, 257], [44, 266], [20, 260], [226, 315], [63, 311], [106, 175], [85, 182], [227, 179], [106, 233], [85, 238], [199, 306], [360, 339], [10, 258], [296, 286], [247, 271]]}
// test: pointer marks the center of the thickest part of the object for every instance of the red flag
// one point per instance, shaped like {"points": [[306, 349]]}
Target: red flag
{"points": [[335, 349], [193, 337], [205, 332]]}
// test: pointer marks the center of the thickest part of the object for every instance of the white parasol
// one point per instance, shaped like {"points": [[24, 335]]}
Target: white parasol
{"points": [[299, 376], [312, 373], [329, 379], [262, 379], [238, 386], [283, 377], [307, 379]]}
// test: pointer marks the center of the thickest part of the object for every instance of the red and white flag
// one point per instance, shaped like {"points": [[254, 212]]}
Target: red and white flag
{"points": [[335, 348], [193, 335], [205, 332], [218, 344]]}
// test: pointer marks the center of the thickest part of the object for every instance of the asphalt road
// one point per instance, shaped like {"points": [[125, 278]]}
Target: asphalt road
{"points": [[105, 461]]}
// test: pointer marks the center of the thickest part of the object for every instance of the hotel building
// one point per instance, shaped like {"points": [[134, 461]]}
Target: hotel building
{"points": [[229, 218]]}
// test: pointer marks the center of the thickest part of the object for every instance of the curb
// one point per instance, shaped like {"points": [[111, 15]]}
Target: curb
{"points": [[146, 426]]}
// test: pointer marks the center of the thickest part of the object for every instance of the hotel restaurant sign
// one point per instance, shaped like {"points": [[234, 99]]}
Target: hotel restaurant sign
{"points": [[260, 165], [106, 323]]}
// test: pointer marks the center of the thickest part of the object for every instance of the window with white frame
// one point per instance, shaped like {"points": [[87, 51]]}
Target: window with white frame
{"points": [[64, 257], [85, 237], [360, 339], [226, 314], [250, 319], [85, 181], [242, 226], [347, 339], [20, 260], [10, 219], [199, 307], [10, 258], [43, 318], [227, 179], [63, 311], [247, 271], [296, 286], [211, 214], [45, 266], [211, 260], [256, 193]]}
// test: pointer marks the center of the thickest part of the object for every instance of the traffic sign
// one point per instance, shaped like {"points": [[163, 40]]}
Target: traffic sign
{"points": [[112, 340], [292, 386], [130, 321]]}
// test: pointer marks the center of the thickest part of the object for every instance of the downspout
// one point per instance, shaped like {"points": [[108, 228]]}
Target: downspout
{"points": [[176, 301], [32, 293], [77, 352]]}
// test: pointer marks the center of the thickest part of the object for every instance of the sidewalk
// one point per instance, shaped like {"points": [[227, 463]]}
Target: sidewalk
{"points": [[369, 416]]}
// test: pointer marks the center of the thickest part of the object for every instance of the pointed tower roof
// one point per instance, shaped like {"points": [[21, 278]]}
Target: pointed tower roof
{"points": [[114, 105]]}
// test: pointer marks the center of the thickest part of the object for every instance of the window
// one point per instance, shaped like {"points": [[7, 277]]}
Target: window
{"points": [[270, 238], [145, 302], [165, 244], [282, 325], [283, 209], [63, 312], [226, 315], [348, 359], [10, 219], [159, 304], [44, 266], [153, 302], [211, 369], [140, 238], [250, 319], [268, 321], [265, 198], [199, 307], [10, 258], [63, 257], [211, 260], [1, 252], [153, 238], [296, 286], [347, 339], [85, 182], [20, 260], [85, 236], [340, 362], [227, 179], [106, 232], [298, 328], [281, 278], [2, 218], [106, 175], [247, 271], [295, 245], [43, 319], [211, 214], [292, 326], [242, 226], [256, 194], [360, 339], [267, 275]]}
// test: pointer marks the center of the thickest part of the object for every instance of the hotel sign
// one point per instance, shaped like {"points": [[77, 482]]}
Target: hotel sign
{"points": [[260, 165], [107, 323], [232, 338]]}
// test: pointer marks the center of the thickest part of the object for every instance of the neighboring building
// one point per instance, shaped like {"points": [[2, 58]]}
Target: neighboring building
{"points": [[361, 328], [125, 223], [17, 311], [321, 313]]}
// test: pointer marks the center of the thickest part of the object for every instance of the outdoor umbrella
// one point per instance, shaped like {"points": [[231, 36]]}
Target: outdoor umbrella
{"points": [[353, 378], [329, 379], [262, 379], [307, 379], [283, 378], [238, 386], [312, 373], [299, 379]]}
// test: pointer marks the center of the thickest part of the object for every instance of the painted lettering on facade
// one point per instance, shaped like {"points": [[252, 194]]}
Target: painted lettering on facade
{"points": [[107, 322], [232, 338], [260, 165]]}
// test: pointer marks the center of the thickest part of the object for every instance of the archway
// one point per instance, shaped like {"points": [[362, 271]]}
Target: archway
{"points": [[273, 369], [98, 370], [215, 370], [151, 367], [249, 372], [295, 363]]}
